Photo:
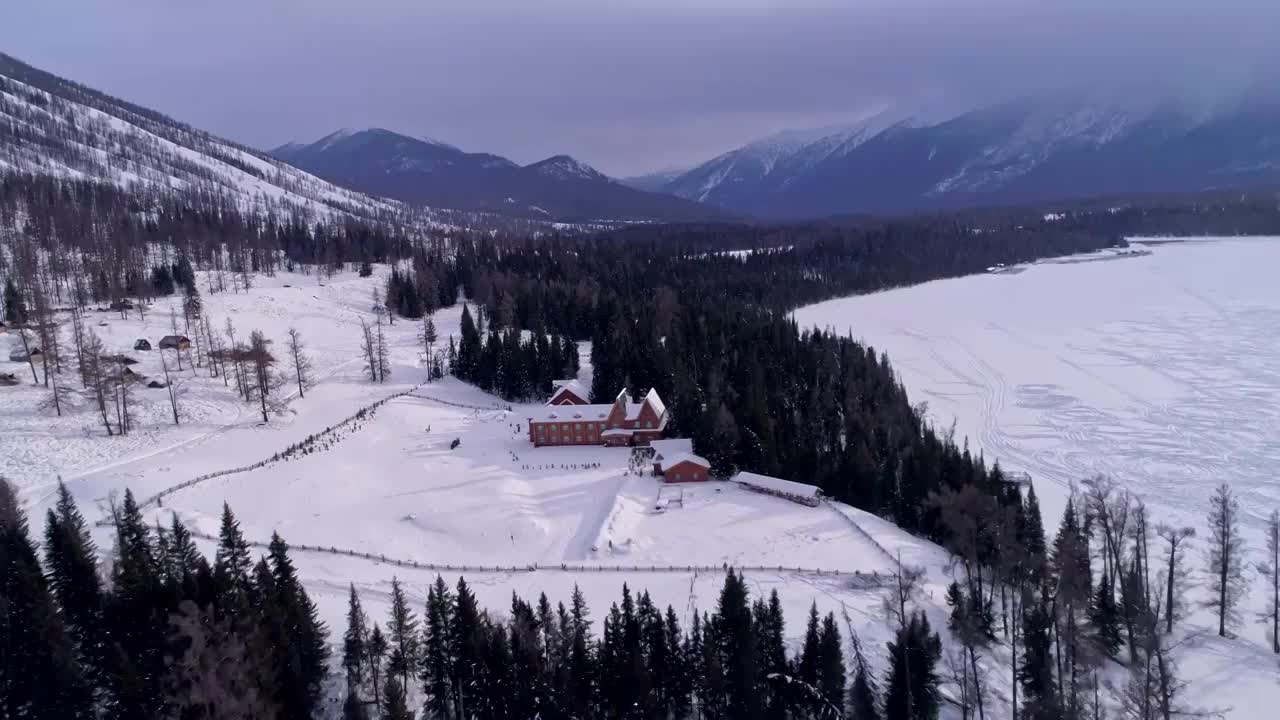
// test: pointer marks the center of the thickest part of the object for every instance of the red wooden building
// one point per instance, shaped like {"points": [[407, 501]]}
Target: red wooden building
{"points": [[568, 420]]}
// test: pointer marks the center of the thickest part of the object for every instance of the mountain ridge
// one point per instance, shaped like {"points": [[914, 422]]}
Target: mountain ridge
{"points": [[413, 170], [1021, 151]]}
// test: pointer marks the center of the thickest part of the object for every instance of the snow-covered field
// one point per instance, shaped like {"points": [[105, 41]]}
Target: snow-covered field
{"points": [[1162, 371], [518, 518]]}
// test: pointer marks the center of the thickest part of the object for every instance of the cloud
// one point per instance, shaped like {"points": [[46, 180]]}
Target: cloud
{"points": [[628, 85]]}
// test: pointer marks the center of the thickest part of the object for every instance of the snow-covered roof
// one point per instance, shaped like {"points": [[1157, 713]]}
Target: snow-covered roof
{"points": [[658, 406], [618, 432], [556, 413], [764, 482], [662, 449], [572, 386], [675, 460]]}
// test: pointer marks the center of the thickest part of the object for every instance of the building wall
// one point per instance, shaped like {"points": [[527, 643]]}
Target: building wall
{"points": [[685, 472], [568, 432]]}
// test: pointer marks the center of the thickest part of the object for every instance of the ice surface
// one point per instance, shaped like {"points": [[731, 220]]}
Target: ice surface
{"points": [[1161, 370]]}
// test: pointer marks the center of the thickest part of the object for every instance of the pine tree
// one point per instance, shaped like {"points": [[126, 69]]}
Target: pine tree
{"points": [[468, 642], [831, 669], [353, 643], [395, 705], [912, 679], [807, 666], [377, 650], [402, 636], [437, 660], [864, 696], [40, 675], [135, 618], [296, 636], [581, 659], [231, 566], [1106, 619], [770, 629], [71, 559], [737, 648], [1035, 674]]}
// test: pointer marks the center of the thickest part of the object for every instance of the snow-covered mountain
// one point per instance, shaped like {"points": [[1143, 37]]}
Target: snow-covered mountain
{"points": [[52, 126], [1023, 151], [433, 173]]}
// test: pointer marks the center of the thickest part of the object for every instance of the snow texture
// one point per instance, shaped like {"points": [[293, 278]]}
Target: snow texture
{"points": [[1161, 370]]}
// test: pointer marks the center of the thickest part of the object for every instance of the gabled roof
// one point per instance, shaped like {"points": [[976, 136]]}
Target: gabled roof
{"points": [[572, 386], [663, 449], [570, 413], [683, 458], [655, 402]]}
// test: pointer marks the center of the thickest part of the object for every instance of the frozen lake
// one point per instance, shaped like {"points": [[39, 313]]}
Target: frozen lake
{"points": [[1162, 371]]}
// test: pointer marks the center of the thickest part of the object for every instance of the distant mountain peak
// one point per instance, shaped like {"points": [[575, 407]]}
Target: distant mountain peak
{"points": [[427, 171], [564, 167], [1022, 150]]}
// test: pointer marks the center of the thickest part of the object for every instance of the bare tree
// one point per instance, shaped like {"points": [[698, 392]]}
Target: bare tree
{"points": [[122, 379], [302, 366], [171, 384], [77, 336], [97, 377], [428, 337], [236, 353], [903, 593], [261, 363], [173, 323], [27, 347], [1270, 569], [370, 349], [59, 395], [1226, 558], [1175, 574], [384, 355]]}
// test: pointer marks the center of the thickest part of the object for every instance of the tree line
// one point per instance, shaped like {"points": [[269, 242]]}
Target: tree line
{"points": [[507, 364], [166, 633]]}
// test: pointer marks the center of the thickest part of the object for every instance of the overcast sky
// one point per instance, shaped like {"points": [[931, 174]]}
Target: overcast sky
{"points": [[629, 86]]}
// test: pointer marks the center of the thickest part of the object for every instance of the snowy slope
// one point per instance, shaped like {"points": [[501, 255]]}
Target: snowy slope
{"points": [[1164, 375], [1022, 151], [51, 126]]}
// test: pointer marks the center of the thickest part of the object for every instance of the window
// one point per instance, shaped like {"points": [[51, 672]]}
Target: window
{"points": [[647, 424], [677, 477], [565, 427]]}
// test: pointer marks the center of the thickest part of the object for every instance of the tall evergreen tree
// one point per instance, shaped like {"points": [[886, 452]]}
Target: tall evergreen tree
{"points": [[402, 636], [912, 680], [296, 636], [831, 669], [40, 673], [136, 618], [864, 695], [231, 566], [354, 643], [437, 655], [1036, 673], [737, 649], [71, 559]]}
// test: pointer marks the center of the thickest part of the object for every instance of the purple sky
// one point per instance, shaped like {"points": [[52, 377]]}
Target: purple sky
{"points": [[629, 86]]}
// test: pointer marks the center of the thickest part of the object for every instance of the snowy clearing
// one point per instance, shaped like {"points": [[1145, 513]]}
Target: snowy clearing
{"points": [[389, 485]]}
